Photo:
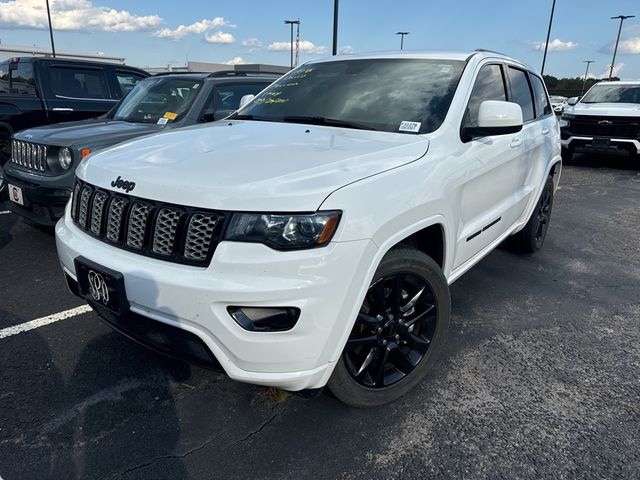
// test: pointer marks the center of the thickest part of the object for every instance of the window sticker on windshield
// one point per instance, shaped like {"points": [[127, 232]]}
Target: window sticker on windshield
{"points": [[195, 85], [410, 126], [446, 68], [170, 116], [163, 121]]}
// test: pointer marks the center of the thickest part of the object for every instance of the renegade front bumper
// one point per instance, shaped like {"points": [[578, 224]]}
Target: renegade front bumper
{"points": [[44, 205], [327, 285]]}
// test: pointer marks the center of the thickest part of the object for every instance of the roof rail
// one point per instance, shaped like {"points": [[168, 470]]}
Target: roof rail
{"points": [[160, 74], [488, 51], [241, 73]]}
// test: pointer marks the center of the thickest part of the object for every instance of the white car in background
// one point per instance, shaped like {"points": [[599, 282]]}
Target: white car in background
{"points": [[558, 103], [605, 120], [310, 239]]}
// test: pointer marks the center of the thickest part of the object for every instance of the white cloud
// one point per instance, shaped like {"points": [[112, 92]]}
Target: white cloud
{"points": [[196, 27], [77, 15], [555, 45], [305, 47], [617, 68], [346, 50], [630, 45], [219, 37], [235, 61], [252, 42]]}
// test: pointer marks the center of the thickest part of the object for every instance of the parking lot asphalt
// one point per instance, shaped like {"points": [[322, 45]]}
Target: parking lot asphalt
{"points": [[540, 377]]}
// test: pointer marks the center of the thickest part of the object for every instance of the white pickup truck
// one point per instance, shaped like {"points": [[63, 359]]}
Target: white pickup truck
{"points": [[606, 119]]}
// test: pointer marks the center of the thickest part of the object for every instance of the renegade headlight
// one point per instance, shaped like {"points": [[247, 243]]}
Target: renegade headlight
{"points": [[284, 232], [65, 158]]}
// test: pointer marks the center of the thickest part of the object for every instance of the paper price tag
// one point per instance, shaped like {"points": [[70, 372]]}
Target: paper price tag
{"points": [[163, 121], [413, 127]]}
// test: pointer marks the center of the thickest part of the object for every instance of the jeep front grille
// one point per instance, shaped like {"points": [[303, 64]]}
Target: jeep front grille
{"points": [[174, 233], [29, 156]]}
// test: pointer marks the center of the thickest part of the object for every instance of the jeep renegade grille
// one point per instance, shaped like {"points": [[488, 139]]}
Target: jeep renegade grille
{"points": [[170, 232], [29, 156]]}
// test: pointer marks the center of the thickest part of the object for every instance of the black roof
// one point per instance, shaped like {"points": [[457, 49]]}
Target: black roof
{"points": [[222, 75], [67, 60]]}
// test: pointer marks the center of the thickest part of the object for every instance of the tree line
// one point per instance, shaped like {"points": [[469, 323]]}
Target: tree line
{"points": [[570, 87]]}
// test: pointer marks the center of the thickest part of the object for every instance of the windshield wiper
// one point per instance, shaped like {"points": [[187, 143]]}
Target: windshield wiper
{"points": [[329, 122], [246, 116]]}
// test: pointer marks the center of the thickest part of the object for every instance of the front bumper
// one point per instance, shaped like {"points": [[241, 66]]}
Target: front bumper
{"points": [[589, 143], [326, 284], [43, 205]]}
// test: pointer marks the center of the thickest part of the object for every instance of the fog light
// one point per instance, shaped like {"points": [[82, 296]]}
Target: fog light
{"points": [[265, 319]]}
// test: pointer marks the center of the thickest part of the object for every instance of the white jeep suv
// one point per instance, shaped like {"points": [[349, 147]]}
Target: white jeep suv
{"points": [[309, 240]]}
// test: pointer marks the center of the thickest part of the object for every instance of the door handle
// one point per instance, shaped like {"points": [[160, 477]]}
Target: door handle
{"points": [[515, 143], [545, 131], [63, 110]]}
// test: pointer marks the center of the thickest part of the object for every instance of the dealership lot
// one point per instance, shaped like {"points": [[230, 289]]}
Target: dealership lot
{"points": [[540, 377]]}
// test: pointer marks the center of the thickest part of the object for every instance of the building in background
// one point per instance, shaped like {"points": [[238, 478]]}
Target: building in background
{"points": [[11, 51], [216, 67]]}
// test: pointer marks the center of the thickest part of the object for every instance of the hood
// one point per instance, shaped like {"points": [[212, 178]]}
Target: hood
{"points": [[87, 133], [250, 165], [606, 109]]}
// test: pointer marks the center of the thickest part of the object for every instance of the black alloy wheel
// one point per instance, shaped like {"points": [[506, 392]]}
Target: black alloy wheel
{"points": [[400, 325], [531, 238], [543, 210], [393, 330]]}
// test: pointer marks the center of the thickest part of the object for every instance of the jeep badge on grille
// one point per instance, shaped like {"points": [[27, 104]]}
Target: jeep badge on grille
{"points": [[123, 184]]}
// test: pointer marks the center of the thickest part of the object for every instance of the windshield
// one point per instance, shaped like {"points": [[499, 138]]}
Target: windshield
{"points": [[391, 95], [158, 100], [613, 94]]}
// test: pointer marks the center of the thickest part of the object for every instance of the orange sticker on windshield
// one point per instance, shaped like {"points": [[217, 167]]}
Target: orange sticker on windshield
{"points": [[170, 116]]}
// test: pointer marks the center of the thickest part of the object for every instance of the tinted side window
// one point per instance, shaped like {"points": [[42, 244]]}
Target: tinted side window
{"points": [[79, 83], [540, 95], [489, 86], [127, 81], [521, 91], [225, 99], [18, 81]]}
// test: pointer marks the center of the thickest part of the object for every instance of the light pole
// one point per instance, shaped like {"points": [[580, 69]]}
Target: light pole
{"points": [[402, 34], [335, 28], [615, 50], [53, 47], [546, 45], [586, 72], [292, 23]]}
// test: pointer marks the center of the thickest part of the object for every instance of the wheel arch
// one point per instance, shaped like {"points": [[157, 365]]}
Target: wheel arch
{"points": [[556, 171]]}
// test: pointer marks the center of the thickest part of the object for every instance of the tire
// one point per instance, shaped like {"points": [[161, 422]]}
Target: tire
{"points": [[531, 238], [392, 343]]}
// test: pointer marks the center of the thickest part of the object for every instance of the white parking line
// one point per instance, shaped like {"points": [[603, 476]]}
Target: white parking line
{"points": [[41, 322], [4, 212]]}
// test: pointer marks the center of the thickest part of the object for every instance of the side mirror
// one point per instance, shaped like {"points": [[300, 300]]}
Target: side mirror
{"points": [[245, 99], [496, 118], [573, 100]]}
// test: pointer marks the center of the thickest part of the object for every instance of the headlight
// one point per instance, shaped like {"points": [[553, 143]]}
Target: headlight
{"points": [[284, 232], [65, 158]]}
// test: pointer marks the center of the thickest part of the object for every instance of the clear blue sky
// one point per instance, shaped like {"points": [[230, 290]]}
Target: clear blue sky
{"points": [[582, 28]]}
